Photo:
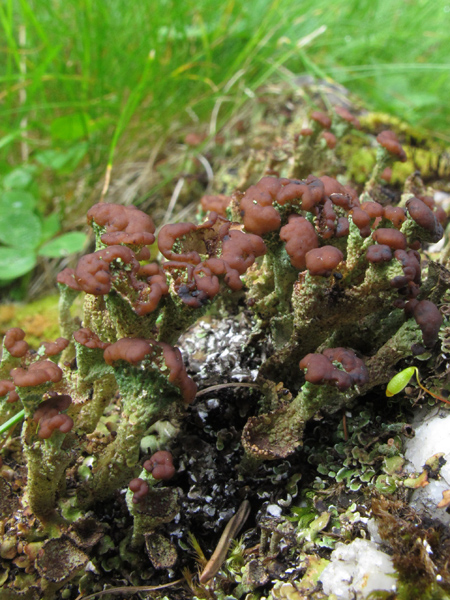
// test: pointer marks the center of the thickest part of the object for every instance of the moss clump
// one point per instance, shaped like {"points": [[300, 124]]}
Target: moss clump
{"points": [[39, 319]]}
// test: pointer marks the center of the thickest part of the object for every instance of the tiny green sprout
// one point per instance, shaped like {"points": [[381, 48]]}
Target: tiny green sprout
{"points": [[400, 381]]}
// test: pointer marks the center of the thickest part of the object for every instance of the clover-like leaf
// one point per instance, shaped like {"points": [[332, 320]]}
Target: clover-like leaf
{"points": [[51, 226], [70, 128], [20, 228], [15, 263], [15, 200], [19, 178], [65, 244]]}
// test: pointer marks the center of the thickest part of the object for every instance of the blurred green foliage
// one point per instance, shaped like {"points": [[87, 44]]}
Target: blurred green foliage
{"points": [[25, 233]]}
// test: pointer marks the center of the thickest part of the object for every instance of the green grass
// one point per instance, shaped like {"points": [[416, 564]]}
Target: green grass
{"points": [[103, 61], [88, 83]]}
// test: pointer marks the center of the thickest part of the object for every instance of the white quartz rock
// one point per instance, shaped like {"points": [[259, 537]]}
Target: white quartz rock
{"points": [[358, 569], [432, 436]]}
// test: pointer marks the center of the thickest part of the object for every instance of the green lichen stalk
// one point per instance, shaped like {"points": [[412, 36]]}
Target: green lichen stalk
{"points": [[47, 462], [148, 383], [48, 453]]}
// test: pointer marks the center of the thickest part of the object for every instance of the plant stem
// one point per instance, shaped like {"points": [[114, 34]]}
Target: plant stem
{"points": [[12, 421]]}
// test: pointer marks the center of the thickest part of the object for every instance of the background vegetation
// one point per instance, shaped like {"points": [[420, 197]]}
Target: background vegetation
{"points": [[87, 83]]}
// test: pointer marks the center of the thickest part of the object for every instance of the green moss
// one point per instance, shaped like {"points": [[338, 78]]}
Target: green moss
{"points": [[39, 319]]}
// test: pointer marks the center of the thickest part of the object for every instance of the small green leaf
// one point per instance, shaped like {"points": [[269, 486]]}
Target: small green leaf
{"points": [[50, 227], [400, 381], [62, 160], [65, 244], [52, 159], [16, 199], [15, 263], [18, 179], [70, 128], [20, 228]]}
